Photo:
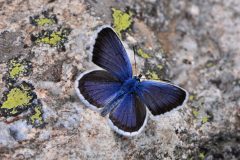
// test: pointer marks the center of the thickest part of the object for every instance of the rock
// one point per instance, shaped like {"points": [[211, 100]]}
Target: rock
{"points": [[193, 44]]}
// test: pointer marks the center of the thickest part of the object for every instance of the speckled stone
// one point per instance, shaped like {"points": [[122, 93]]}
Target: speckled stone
{"points": [[197, 43]]}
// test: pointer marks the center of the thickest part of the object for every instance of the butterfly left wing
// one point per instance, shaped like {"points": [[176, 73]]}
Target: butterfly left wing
{"points": [[96, 88], [161, 97], [109, 54], [129, 117]]}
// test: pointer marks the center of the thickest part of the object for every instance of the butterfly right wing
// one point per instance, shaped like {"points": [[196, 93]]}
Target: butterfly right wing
{"points": [[97, 88], [110, 54], [161, 97]]}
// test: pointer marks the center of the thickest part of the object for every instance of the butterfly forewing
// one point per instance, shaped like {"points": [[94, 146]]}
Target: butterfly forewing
{"points": [[161, 97], [109, 54]]}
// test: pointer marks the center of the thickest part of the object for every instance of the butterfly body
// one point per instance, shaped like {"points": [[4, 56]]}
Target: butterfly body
{"points": [[115, 92], [130, 86]]}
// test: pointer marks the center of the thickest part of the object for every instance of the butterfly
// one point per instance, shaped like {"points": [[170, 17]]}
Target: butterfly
{"points": [[114, 91]]}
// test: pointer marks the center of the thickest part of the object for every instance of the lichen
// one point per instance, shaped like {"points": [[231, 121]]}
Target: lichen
{"points": [[195, 113], [36, 117], [121, 20], [201, 156], [16, 70], [18, 67], [17, 99], [20, 96], [143, 54], [53, 38], [205, 119], [210, 63], [192, 97], [160, 67], [152, 75], [43, 19]]}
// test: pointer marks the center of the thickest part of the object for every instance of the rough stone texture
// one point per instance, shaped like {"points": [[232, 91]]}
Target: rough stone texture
{"points": [[201, 47]]}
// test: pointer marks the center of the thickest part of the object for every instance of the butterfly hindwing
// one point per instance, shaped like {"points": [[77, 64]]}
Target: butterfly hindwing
{"points": [[96, 88], [109, 54], [129, 117], [161, 97]]}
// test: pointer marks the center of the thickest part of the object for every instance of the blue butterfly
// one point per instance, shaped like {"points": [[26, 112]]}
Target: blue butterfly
{"points": [[115, 92]]}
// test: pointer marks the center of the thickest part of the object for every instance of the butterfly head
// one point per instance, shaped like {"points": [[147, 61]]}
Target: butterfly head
{"points": [[138, 78]]}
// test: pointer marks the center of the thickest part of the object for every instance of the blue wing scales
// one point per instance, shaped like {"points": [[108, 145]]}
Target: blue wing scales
{"points": [[96, 88], [129, 117], [109, 54], [161, 97]]}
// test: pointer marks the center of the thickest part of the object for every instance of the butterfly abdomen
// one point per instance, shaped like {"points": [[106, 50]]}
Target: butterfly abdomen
{"points": [[129, 86]]}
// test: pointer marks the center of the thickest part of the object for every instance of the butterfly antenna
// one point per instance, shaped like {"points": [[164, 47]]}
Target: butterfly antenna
{"points": [[135, 62]]}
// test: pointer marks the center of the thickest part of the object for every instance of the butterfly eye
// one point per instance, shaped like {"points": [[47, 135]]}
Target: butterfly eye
{"points": [[139, 76]]}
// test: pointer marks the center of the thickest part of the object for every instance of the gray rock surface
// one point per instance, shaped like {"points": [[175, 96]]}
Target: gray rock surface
{"points": [[196, 42]]}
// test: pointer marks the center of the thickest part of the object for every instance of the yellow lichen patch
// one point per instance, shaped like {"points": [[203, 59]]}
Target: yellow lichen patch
{"points": [[53, 39], [205, 119], [160, 67], [152, 75], [44, 21], [192, 97], [195, 113], [16, 70], [18, 67], [143, 54], [15, 98], [121, 20], [36, 118], [201, 156]]}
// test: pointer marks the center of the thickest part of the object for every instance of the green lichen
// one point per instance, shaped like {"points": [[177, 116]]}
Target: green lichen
{"points": [[36, 118], [205, 119], [143, 54], [195, 113], [210, 63], [152, 75], [46, 18], [160, 67], [17, 99], [201, 156], [121, 20], [52, 38], [16, 70], [191, 97], [18, 67], [44, 21]]}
